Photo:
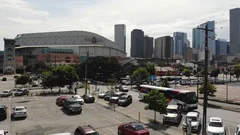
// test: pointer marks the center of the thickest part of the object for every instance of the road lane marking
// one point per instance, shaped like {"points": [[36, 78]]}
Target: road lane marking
{"points": [[229, 132], [111, 130], [42, 107]]}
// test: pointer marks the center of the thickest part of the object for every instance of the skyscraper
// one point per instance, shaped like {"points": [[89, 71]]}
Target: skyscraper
{"points": [[221, 47], [137, 43], [179, 44], [235, 31], [120, 35], [163, 47], [198, 40], [148, 47]]}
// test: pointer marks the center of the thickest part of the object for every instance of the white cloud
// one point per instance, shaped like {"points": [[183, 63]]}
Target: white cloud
{"points": [[155, 17]]}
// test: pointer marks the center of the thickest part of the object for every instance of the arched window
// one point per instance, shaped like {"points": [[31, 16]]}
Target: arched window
{"points": [[67, 59]]}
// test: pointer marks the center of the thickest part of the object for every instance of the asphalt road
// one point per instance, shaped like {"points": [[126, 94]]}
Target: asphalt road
{"points": [[231, 119]]}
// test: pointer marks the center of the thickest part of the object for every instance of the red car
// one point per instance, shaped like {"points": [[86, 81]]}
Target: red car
{"points": [[60, 100], [85, 130], [133, 128]]}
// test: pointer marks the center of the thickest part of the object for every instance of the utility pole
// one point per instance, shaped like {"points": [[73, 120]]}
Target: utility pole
{"points": [[86, 68], [205, 79], [55, 60]]}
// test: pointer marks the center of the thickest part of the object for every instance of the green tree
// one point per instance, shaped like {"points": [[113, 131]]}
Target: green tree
{"points": [[187, 72], [28, 68], [215, 72], [105, 66], [165, 83], [151, 69], [40, 67], [23, 79], [236, 70], [156, 102], [140, 75], [210, 87], [60, 76]]}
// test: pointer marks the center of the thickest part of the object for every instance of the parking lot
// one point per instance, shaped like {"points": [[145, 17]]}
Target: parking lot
{"points": [[44, 117]]}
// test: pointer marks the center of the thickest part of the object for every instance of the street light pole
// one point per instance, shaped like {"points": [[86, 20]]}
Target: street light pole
{"points": [[205, 79], [226, 88]]}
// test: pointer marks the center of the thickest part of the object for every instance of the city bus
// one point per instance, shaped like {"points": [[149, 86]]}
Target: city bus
{"points": [[187, 99]]}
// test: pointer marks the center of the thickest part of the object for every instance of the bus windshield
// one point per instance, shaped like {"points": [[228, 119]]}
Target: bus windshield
{"points": [[191, 98]]}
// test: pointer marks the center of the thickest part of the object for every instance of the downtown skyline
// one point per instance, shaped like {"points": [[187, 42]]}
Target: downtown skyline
{"points": [[35, 16]]}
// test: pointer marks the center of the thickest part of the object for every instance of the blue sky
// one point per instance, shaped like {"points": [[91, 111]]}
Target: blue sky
{"points": [[155, 17]]}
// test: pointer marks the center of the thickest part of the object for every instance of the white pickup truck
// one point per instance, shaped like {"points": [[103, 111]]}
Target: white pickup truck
{"points": [[173, 114]]}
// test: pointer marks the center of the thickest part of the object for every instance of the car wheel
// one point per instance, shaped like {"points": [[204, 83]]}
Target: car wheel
{"points": [[119, 132], [68, 111]]}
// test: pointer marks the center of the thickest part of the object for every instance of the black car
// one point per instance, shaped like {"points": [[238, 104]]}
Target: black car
{"points": [[3, 112], [72, 106], [125, 100], [88, 98], [114, 98]]}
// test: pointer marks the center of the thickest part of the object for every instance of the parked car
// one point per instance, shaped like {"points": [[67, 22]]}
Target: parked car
{"points": [[114, 98], [88, 98], [215, 126], [60, 100], [78, 98], [21, 92], [85, 130], [72, 106], [125, 100], [6, 93], [173, 114], [132, 129], [3, 112], [237, 130], [108, 95], [123, 89], [4, 79], [3, 132], [195, 121], [19, 112], [102, 94]]}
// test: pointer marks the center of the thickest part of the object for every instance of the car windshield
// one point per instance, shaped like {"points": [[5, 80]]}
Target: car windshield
{"points": [[215, 124], [19, 90], [171, 111], [138, 127], [2, 110], [94, 133], [19, 109], [5, 91], [193, 118], [191, 98], [73, 102], [123, 97]]}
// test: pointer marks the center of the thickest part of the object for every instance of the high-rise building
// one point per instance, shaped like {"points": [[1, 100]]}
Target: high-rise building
{"points": [[196, 36], [235, 31], [137, 43], [163, 47], [120, 36], [148, 47], [221, 47], [179, 44], [199, 40]]}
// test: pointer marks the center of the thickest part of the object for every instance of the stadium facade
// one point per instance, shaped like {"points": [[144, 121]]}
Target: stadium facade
{"points": [[31, 45]]}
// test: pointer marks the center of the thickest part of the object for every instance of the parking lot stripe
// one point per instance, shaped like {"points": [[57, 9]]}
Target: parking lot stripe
{"points": [[118, 121], [42, 107], [229, 132], [111, 130], [35, 97]]}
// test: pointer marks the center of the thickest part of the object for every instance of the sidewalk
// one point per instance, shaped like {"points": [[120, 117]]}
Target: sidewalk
{"points": [[221, 105]]}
